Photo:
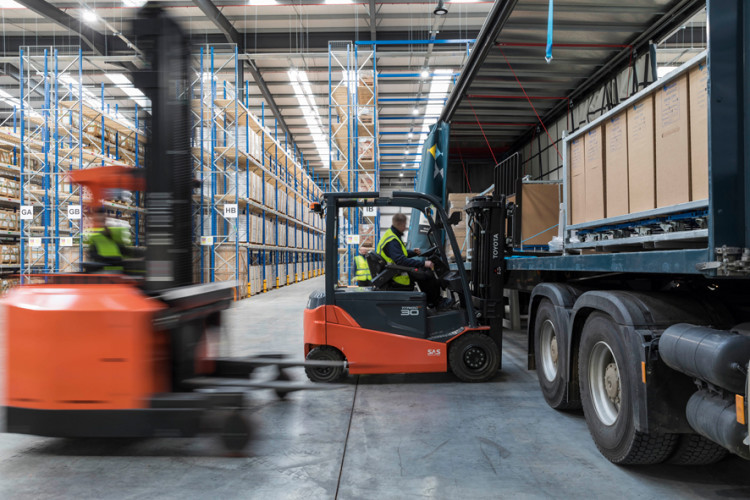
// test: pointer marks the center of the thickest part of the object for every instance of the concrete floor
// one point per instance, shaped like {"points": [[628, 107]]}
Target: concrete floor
{"points": [[381, 437]]}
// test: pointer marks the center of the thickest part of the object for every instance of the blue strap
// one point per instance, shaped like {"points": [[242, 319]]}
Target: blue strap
{"points": [[548, 55]]}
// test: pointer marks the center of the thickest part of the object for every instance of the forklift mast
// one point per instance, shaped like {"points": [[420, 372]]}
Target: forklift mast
{"points": [[488, 239], [169, 179]]}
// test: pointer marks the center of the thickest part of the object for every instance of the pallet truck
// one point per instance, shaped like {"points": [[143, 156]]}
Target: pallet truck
{"points": [[97, 355], [378, 329]]}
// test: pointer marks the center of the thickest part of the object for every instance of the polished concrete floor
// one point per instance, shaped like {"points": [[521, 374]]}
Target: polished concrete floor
{"points": [[380, 437]]}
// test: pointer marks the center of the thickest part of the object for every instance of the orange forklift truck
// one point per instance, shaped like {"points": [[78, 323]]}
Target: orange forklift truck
{"points": [[94, 355], [385, 329]]}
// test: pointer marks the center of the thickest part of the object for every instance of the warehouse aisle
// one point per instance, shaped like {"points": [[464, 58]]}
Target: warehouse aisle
{"points": [[381, 437]]}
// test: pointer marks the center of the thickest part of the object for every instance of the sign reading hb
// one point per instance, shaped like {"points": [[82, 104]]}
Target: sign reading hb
{"points": [[230, 211]]}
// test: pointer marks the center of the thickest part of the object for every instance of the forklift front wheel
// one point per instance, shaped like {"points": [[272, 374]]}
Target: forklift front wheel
{"points": [[474, 357], [235, 431], [326, 374]]}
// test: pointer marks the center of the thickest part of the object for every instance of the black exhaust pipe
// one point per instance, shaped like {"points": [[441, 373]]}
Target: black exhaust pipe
{"points": [[715, 356], [715, 418]]}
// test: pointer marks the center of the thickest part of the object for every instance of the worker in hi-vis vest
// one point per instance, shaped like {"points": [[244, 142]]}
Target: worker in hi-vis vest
{"points": [[393, 250], [108, 245], [362, 275]]}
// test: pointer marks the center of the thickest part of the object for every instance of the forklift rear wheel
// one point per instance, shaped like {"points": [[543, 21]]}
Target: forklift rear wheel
{"points": [[328, 374], [474, 357], [235, 431], [608, 399]]}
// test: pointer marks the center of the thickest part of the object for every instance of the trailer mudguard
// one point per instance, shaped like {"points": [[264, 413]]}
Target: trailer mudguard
{"points": [[659, 403], [562, 297]]}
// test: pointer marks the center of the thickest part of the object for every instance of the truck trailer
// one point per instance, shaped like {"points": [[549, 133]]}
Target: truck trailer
{"points": [[639, 313]]}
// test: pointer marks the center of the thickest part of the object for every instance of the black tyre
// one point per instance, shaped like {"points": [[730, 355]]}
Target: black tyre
{"points": [[325, 374], [607, 400], [547, 345], [694, 449], [474, 357], [235, 432]]}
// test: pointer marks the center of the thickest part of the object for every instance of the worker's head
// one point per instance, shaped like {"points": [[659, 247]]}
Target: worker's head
{"points": [[399, 222], [364, 250]]}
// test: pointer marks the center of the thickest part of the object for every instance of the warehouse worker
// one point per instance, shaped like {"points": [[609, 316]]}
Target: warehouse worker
{"points": [[393, 250], [107, 244], [363, 276]]}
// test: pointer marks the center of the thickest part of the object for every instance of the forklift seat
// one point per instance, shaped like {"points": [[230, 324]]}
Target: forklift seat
{"points": [[383, 273]]}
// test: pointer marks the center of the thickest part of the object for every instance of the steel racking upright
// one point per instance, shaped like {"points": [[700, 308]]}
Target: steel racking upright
{"points": [[60, 126], [245, 165], [353, 142]]}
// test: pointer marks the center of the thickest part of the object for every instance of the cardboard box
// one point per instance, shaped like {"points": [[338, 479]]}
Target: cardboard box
{"points": [[672, 143], [540, 209], [577, 203], [594, 173], [641, 156], [698, 88], [616, 169]]}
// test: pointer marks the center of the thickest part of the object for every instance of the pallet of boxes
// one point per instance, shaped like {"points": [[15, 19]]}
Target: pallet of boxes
{"points": [[457, 203]]}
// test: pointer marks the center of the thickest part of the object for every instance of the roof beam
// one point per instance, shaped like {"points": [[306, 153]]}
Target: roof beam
{"points": [[91, 37], [233, 36], [496, 19]]}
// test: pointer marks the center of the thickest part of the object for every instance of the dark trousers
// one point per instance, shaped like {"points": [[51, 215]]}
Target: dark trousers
{"points": [[431, 288]]}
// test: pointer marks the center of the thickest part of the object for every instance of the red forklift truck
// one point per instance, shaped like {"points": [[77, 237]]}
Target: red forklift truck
{"points": [[379, 329], [93, 355]]}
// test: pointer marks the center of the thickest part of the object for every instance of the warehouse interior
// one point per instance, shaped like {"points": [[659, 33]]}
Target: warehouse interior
{"points": [[572, 174]]}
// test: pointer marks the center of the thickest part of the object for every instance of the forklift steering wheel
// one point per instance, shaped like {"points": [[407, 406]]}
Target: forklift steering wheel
{"points": [[429, 252]]}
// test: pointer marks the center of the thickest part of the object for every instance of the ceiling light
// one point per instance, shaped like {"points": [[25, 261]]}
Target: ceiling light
{"points": [[10, 4], [425, 74], [261, 3], [403, 164], [411, 136], [134, 3], [414, 111], [401, 174], [406, 151], [89, 16], [440, 10]]}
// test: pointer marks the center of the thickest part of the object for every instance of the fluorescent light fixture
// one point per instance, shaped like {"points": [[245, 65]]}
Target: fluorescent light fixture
{"points": [[403, 164], [406, 151], [663, 71], [414, 111], [338, 2], [134, 3], [401, 174], [425, 74], [89, 16], [261, 3], [464, 1], [306, 100], [440, 84], [10, 4], [123, 83], [411, 136]]}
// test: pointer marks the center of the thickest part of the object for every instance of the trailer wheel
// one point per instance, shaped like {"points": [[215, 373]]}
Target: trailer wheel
{"points": [[694, 449], [607, 399], [327, 374], [547, 346], [474, 357]]}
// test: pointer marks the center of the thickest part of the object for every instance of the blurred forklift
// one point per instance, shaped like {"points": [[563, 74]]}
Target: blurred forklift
{"points": [[127, 355]]}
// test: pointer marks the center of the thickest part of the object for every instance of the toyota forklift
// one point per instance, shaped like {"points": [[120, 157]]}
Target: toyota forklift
{"points": [[97, 355], [381, 329]]}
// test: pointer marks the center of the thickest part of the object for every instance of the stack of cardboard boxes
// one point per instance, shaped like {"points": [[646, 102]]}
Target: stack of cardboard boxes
{"points": [[654, 154]]}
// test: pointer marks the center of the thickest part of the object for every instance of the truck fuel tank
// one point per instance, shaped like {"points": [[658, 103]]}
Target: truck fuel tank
{"points": [[715, 356]]}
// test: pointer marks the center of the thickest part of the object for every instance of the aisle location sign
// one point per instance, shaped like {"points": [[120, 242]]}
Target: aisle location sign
{"points": [[74, 212], [35, 242], [66, 241], [207, 240], [27, 212], [230, 211], [352, 239]]}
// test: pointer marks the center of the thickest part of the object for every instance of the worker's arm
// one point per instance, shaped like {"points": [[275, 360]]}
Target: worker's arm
{"points": [[393, 250]]}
